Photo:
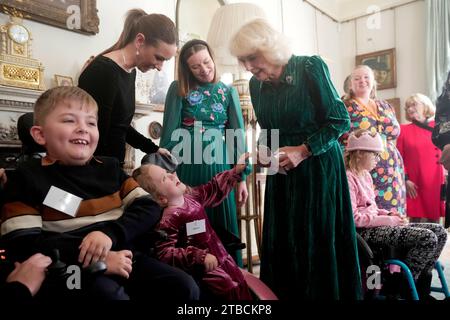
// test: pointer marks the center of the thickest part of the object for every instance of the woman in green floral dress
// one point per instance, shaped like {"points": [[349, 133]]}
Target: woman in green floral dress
{"points": [[198, 111], [309, 242]]}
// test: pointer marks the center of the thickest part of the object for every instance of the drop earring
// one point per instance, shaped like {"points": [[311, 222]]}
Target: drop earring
{"points": [[137, 52]]}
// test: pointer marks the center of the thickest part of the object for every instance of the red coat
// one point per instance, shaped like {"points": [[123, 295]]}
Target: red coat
{"points": [[421, 161]]}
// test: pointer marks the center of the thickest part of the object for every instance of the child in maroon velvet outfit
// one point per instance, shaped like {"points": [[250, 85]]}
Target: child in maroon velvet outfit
{"points": [[192, 244]]}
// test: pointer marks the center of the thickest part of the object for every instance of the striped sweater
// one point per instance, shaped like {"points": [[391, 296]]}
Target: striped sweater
{"points": [[112, 203]]}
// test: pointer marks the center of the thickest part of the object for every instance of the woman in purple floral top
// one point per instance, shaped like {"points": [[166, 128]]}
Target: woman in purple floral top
{"points": [[198, 111], [375, 115]]}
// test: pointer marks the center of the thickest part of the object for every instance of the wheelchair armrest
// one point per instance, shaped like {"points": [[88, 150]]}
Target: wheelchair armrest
{"points": [[363, 248], [259, 288], [229, 240]]}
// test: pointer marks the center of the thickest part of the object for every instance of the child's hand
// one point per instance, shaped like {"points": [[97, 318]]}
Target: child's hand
{"points": [[399, 220], [94, 247], [394, 213], [119, 263], [411, 189], [210, 262], [242, 194], [242, 163]]}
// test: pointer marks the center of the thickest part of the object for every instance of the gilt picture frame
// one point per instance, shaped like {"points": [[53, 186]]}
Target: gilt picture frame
{"points": [[75, 15], [395, 103], [383, 65], [63, 80]]}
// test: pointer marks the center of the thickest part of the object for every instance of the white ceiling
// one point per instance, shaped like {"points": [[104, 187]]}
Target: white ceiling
{"points": [[342, 10]]}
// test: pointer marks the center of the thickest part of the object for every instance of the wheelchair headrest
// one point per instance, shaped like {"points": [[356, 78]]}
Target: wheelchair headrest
{"points": [[24, 124], [167, 162]]}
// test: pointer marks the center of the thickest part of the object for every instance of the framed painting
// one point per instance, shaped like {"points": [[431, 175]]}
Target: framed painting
{"points": [[152, 86], [395, 103], [63, 80], [74, 15], [383, 65]]}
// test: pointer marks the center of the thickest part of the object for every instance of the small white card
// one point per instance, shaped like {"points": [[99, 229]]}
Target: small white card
{"points": [[266, 157], [63, 201], [194, 227]]}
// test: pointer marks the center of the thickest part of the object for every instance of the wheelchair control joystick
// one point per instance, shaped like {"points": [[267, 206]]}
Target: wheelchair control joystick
{"points": [[57, 269], [96, 268]]}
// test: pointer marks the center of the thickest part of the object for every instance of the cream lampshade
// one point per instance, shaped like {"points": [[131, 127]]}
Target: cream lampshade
{"points": [[225, 23]]}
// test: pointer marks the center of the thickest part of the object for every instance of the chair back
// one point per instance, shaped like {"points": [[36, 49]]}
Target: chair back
{"points": [[30, 148]]}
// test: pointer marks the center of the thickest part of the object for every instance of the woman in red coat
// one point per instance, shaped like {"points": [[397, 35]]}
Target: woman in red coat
{"points": [[424, 173]]}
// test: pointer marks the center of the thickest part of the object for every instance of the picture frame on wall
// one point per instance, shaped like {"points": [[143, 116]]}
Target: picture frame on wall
{"points": [[383, 65], [152, 86], [155, 130], [63, 80], [63, 14], [395, 103]]}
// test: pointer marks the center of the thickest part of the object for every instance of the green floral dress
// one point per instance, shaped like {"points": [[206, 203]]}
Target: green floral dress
{"points": [[309, 242], [203, 146]]}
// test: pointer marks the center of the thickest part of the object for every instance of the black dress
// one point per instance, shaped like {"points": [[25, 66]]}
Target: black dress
{"points": [[114, 90]]}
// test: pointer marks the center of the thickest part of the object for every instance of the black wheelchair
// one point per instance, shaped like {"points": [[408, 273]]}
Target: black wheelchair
{"points": [[30, 149], [231, 243]]}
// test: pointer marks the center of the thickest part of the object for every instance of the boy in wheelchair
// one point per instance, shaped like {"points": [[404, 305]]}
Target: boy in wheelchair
{"points": [[191, 243], [422, 242], [86, 207]]}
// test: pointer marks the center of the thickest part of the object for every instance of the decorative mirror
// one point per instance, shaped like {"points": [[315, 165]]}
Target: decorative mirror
{"points": [[154, 130]]}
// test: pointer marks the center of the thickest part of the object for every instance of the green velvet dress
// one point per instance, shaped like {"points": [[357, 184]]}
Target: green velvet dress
{"points": [[204, 115], [309, 246]]}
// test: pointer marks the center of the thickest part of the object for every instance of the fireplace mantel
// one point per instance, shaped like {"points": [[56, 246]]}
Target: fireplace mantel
{"points": [[13, 103], [18, 97]]}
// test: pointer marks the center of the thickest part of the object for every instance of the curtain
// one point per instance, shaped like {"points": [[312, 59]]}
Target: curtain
{"points": [[437, 45]]}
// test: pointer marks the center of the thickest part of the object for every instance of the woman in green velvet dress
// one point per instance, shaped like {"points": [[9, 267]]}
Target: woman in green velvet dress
{"points": [[309, 243], [198, 112]]}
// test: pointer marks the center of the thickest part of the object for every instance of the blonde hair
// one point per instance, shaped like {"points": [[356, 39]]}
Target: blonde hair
{"points": [[147, 182], [50, 99], [347, 86], [373, 92], [429, 108], [259, 36], [352, 159]]}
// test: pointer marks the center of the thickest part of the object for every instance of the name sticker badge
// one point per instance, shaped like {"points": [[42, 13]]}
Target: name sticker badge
{"points": [[62, 201], [194, 227]]}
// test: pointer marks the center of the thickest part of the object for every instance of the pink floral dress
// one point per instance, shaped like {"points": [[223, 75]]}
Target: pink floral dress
{"points": [[388, 176]]}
